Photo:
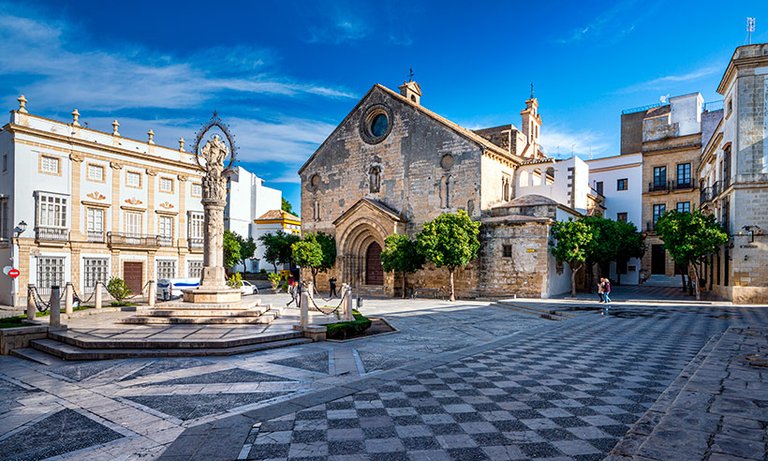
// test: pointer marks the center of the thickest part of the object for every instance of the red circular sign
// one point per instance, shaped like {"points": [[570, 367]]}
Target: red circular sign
{"points": [[13, 273]]}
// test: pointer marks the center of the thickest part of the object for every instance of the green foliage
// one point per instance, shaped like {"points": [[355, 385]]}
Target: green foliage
{"points": [[118, 289], [573, 240], [235, 280], [401, 254], [689, 237], [277, 247], [612, 240], [247, 249], [308, 253], [343, 330], [287, 207], [231, 249], [274, 279], [450, 240], [328, 245]]}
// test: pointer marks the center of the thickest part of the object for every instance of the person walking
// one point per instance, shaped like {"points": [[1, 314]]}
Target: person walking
{"points": [[600, 289], [606, 294], [332, 283]]}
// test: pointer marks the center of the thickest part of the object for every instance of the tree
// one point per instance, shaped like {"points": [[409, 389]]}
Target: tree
{"points": [[327, 245], [573, 239], [287, 207], [629, 244], [247, 249], [118, 289], [450, 240], [689, 238], [231, 249], [277, 247], [612, 241], [401, 254], [308, 253]]}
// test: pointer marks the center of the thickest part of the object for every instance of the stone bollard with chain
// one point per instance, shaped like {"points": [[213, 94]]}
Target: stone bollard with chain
{"points": [[348, 317], [97, 295], [304, 298], [69, 298], [152, 293], [55, 309], [31, 302]]}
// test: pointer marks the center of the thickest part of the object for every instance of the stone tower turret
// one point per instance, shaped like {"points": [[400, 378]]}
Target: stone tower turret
{"points": [[531, 123], [411, 90]]}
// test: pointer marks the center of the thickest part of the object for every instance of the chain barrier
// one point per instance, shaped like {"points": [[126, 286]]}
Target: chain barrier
{"points": [[77, 299], [141, 292], [40, 304], [334, 310]]}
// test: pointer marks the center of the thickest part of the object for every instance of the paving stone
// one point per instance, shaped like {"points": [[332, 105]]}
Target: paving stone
{"points": [[186, 407], [233, 375], [312, 362]]}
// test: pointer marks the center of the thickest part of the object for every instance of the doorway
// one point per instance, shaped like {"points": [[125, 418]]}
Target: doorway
{"points": [[658, 260], [374, 273], [133, 273]]}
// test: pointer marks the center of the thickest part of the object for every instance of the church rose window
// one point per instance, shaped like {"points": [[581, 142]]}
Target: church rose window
{"points": [[376, 124], [379, 125]]}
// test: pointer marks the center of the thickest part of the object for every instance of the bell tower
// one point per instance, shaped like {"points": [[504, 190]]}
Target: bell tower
{"points": [[411, 90], [531, 122]]}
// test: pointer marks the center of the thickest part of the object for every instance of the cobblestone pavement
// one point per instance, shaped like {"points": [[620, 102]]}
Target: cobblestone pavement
{"points": [[132, 409], [465, 381]]}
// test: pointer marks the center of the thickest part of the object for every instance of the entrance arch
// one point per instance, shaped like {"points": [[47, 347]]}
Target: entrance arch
{"points": [[374, 273]]}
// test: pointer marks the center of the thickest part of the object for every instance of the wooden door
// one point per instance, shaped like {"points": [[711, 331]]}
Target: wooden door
{"points": [[133, 274], [658, 260], [374, 273]]}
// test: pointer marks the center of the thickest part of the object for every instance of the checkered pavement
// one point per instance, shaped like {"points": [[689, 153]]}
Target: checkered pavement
{"points": [[566, 394]]}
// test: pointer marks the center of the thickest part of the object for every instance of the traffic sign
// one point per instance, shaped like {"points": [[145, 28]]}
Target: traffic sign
{"points": [[13, 273]]}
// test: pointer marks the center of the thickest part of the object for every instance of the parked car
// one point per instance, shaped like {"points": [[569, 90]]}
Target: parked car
{"points": [[171, 288], [248, 288]]}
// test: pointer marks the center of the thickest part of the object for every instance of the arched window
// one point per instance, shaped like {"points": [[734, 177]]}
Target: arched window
{"points": [[445, 191], [523, 178], [550, 176], [316, 210], [537, 177], [374, 179]]}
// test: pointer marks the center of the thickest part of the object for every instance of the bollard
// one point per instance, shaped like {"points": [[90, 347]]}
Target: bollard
{"points": [[152, 293], [69, 298], [97, 295], [348, 305], [304, 319], [31, 308], [55, 309]]}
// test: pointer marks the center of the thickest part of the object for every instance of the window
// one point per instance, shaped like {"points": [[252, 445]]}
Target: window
{"points": [[683, 207], [50, 272], [165, 229], [5, 225], [52, 211], [133, 224], [197, 190], [506, 251], [194, 269], [96, 270], [684, 175], [95, 224], [658, 210], [96, 173], [49, 165], [729, 107], [132, 179], [195, 225], [166, 269], [622, 184], [659, 177], [621, 216], [5, 163], [166, 185], [599, 187]]}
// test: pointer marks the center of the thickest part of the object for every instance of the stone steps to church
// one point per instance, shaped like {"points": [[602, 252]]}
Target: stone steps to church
{"points": [[34, 355], [70, 352], [261, 319], [89, 342], [203, 313]]}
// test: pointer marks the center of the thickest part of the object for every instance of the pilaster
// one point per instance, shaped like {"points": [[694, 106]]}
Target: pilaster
{"points": [[76, 232]]}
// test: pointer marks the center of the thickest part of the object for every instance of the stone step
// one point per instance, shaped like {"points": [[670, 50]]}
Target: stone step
{"points": [[73, 339], [266, 318], [245, 303], [35, 355], [70, 352], [203, 313]]}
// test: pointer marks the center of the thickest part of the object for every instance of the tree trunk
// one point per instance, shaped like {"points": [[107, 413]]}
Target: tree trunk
{"points": [[403, 285], [453, 296], [682, 276], [573, 279], [696, 281]]}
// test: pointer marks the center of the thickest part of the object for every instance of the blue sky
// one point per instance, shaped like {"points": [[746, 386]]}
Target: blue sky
{"points": [[285, 73]]}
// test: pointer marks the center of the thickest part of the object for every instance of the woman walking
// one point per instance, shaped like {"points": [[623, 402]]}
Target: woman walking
{"points": [[606, 294]]}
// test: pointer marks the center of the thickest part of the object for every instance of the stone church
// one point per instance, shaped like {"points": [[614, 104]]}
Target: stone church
{"points": [[391, 165]]}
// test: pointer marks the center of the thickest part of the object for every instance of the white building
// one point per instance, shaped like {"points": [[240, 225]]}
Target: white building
{"points": [[620, 180], [93, 205], [272, 222], [251, 199]]}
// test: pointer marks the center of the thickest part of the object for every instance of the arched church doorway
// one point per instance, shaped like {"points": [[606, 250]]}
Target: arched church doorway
{"points": [[374, 273]]}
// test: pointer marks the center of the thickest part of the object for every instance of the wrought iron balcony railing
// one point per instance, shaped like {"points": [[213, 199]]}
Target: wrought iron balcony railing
{"points": [[165, 241], [130, 239], [51, 233], [96, 236], [195, 243], [658, 186]]}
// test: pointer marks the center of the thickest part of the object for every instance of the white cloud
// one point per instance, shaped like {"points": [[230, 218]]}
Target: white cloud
{"points": [[561, 142], [665, 82]]}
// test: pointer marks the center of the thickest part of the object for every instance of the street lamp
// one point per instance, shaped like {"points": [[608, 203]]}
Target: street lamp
{"points": [[20, 228]]}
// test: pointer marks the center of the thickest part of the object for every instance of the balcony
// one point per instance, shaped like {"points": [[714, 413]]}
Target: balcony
{"points": [[129, 241], [658, 186], [51, 234], [96, 236], [165, 241], [195, 244], [685, 185]]}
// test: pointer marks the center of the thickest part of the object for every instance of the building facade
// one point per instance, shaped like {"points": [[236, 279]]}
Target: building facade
{"points": [[79, 205], [620, 180], [252, 199], [733, 177], [391, 165], [272, 222]]}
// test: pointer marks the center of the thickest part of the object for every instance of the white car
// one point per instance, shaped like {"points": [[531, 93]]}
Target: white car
{"points": [[248, 288]]}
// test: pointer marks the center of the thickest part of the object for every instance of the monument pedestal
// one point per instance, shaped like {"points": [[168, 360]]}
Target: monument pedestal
{"points": [[212, 295]]}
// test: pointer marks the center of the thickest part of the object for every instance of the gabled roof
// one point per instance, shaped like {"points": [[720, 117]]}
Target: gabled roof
{"points": [[373, 204], [464, 132], [277, 215]]}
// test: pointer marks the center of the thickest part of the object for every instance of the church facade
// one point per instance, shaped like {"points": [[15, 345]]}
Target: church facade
{"points": [[391, 165]]}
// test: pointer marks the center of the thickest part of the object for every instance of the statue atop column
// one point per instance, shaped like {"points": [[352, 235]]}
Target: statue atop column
{"points": [[216, 159]]}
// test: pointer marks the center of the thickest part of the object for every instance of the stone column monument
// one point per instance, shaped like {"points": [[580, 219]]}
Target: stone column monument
{"points": [[211, 158]]}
